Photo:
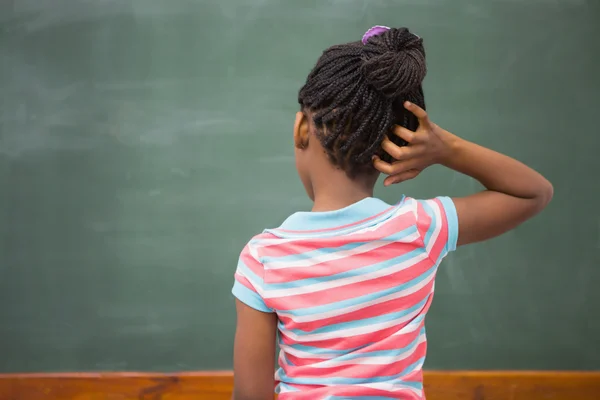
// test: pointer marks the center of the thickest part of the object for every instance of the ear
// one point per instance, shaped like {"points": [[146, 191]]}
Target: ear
{"points": [[301, 131]]}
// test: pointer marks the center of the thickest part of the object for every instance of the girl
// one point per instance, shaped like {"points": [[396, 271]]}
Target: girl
{"points": [[344, 289]]}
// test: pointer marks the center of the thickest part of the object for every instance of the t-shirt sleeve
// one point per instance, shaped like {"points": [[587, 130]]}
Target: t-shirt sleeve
{"points": [[437, 222], [249, 281]]}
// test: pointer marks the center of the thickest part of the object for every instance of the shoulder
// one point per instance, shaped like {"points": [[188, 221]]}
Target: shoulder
{"points": [[252, 254], [437, 207], [437, 223], [249, 275], [253, 248]]}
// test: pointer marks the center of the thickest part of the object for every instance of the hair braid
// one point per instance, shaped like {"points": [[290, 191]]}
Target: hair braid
{"points": [[355, 93]]}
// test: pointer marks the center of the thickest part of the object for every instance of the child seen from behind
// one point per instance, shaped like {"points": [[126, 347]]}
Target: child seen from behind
{"points": [[344, 289]]}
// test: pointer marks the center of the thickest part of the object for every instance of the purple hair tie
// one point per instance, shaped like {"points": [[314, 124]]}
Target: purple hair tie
{"points": [[374, 31]]}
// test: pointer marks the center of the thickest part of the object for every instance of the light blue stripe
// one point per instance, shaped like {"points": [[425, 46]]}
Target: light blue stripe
{"points": [[362, 299], [363, 209], [311, 221], [396, 236], [413, 367], [322, 351], [306, 233], [284, 354], [248, 297], [346, 381], [247, 272], [432, 225], [310, 254], [336, 353], [359, 322], [346, 274], [285, 386], [412, 384], [452, 217], [382, 353]]}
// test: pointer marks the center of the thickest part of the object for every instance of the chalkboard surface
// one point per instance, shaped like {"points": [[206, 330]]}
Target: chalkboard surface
{"points": [[143, 142]]}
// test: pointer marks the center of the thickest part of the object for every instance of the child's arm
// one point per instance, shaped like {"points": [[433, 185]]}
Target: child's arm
{"points": [[254, 354], [514, 192]]}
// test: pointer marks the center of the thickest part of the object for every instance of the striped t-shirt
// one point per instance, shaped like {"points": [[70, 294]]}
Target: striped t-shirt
{"points": [[351, 289]]}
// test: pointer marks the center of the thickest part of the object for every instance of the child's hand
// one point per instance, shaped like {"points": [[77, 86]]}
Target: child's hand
{"points": [[429, 145]]}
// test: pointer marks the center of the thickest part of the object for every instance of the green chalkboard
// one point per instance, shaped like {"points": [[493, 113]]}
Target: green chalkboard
{"points": [[143, 142]]}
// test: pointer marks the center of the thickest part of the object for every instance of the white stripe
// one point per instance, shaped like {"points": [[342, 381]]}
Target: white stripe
{"points": [[253, 252], [282, 361], [371, 227], [255, 286], [388, 220], [335, 231], [370, 360], [260, 242], [338, 255], [285, 388], [355, 307], [391, 387], [346, 281], [304, 354], [409, 328], [415, 367], [438, 224], [360, 330]]}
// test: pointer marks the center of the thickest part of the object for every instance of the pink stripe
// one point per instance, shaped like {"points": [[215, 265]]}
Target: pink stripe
{"points": [[375, 310], [423, 220], [336, 266], [390, 340], [242, 279], [415, 376], [251, 262], [442, 239], [348, 342], [359, 370], [321, 392], [265, 235], [303, 245], [394, 342], [352, 290]]}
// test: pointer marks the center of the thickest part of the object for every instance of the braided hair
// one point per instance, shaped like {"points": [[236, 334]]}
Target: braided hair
{"points": [[355, 94]]}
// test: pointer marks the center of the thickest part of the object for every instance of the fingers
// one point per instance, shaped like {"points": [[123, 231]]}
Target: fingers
{"points": [[419, 113], [381, 165], [401, 177], [394, 168], [397, 152], [401, 153], [404, 133], [398, 171], [409, 158]]}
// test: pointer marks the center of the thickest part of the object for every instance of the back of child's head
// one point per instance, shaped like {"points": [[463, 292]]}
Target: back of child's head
{"points": [[355, 95]]}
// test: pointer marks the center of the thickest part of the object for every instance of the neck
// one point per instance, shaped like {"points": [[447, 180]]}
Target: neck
{"points": [[335, 190]]}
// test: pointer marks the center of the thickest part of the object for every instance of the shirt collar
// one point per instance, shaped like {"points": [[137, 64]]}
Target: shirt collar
{"points": [[353, 214]]}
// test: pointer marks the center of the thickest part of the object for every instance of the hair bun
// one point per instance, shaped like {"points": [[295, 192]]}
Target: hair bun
{"points": [[394, 62]]}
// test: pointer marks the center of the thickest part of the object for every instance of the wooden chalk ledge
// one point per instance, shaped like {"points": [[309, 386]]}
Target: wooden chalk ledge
{"points": [[439, 385]]}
